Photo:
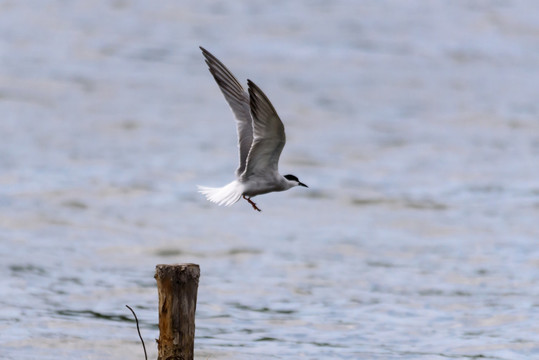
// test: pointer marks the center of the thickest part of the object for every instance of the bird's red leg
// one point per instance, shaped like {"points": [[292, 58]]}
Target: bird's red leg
{"points": [[252, 203]]}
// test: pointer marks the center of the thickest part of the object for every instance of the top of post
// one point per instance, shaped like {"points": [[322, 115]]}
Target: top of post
{"points": [[177, 270]]}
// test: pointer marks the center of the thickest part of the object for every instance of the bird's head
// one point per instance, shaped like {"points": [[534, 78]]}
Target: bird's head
{"points": [[294, 181]]}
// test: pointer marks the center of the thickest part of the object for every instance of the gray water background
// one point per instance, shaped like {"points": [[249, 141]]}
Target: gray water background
{"points": [[415, 124]]}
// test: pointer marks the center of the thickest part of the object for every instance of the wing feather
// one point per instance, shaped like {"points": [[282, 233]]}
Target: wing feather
{"points": [[238, 100], [268, 135]]}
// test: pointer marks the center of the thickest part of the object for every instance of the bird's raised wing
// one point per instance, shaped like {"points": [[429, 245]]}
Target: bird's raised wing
{"points": [[268, 135], [238, 100]]}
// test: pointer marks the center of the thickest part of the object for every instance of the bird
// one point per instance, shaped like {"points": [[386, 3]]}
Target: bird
{"points": [[261, 139]]}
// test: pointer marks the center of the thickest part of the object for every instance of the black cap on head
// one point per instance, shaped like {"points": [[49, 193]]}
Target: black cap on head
{"points": [[291, 178]]}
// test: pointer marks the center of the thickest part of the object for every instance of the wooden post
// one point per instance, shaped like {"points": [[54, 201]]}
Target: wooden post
{"points": [[177, 286]]}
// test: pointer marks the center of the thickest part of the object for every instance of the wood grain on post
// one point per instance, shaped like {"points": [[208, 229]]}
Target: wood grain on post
{"points": [[177, 286]]}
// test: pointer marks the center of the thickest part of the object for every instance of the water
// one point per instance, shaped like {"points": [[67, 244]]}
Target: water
{"points": [[415, 125]]}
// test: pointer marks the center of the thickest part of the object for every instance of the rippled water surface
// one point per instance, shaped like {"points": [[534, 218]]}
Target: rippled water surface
{"points": [[415, 125]]}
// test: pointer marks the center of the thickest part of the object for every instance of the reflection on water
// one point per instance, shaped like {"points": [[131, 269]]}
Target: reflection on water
{"points": [[415, 126]]}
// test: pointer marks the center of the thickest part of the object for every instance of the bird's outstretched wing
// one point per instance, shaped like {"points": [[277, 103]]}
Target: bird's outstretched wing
{"points": [[268, 135], [238, 100]]}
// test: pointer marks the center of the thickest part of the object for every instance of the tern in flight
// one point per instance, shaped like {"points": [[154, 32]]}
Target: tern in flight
{"points": [[261, 139]]}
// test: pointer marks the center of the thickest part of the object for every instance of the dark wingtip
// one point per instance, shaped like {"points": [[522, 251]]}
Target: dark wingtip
{"points": [[252, 84], [204, 51], [253, 89]]}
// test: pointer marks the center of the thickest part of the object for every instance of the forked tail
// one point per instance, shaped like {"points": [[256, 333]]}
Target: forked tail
{"points": [[226, 195]]}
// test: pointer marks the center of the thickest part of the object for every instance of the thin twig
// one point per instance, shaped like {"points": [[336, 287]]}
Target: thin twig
{"points": [[140, 336]]}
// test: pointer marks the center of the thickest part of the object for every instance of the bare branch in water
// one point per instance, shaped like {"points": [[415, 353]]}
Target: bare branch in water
{"points": [[140, 336]]}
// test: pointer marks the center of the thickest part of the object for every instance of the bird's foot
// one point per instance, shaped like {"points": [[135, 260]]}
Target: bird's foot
{"points": [[252, 203]]}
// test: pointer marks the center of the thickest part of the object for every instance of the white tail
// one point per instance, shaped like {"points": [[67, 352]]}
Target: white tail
{"points": [[226, 195]]}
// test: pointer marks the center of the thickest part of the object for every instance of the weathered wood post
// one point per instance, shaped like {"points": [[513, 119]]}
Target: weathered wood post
{"points": [[177, 286]]}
